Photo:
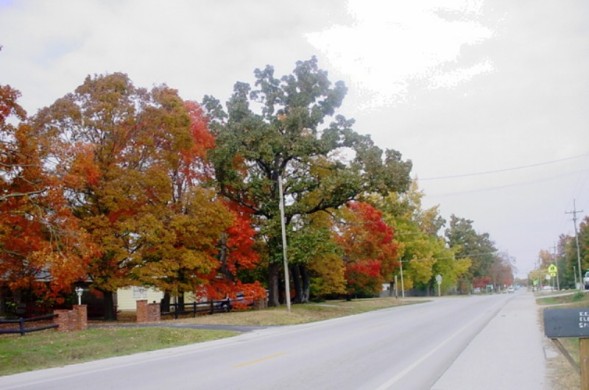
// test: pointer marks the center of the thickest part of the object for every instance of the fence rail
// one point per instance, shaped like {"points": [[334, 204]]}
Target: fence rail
{"points": [[21, 324], [194, 308]]}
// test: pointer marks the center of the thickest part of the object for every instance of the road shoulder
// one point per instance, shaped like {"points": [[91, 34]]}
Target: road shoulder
{"points": [[507, 354]]}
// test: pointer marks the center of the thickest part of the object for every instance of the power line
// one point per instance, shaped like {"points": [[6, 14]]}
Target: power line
{"points": [[503, 170], [501, 187]]}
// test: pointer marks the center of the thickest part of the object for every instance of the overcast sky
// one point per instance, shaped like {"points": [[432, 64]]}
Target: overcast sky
{"points": [[489, 99]]}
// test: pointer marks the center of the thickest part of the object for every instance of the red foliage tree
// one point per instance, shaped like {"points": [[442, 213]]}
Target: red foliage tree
{"points": [[237, 253], [370, 254]]}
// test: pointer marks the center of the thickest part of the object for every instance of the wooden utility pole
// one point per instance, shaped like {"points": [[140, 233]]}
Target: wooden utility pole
{"points": [[284, 251]]}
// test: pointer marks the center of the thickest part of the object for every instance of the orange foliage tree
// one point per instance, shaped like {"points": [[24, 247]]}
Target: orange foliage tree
{"points": [[42, 248], [128, 160]]}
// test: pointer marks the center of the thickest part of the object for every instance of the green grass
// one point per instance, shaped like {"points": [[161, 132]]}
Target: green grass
{"points": [[309, 312], [573, 299], [50, 348]]}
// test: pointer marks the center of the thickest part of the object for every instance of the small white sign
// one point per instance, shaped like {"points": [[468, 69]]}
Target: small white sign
{"points": [[139, 292]]}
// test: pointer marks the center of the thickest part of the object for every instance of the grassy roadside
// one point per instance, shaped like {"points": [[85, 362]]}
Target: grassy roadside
{"points": [[300, 314], [562, 374], [566, 301], [51, 349]]}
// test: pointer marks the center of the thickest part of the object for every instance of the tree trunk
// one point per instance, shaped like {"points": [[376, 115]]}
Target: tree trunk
{"points": [[181, 301], [306, 284], [2, 304], [110, 310], [297, 283], [273, 271], [165, 303]]}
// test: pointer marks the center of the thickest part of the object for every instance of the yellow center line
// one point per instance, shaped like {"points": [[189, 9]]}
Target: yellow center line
{"points": [[260, 360]]}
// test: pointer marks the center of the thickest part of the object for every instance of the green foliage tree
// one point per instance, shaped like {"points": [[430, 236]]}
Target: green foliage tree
{"points": [[566, 256], [278, 130], [423, 252], [566, 261], [467, 243], [584, 243]]}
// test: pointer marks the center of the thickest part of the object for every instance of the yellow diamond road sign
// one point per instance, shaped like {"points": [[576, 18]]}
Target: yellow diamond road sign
{"points": [[552, 270]]}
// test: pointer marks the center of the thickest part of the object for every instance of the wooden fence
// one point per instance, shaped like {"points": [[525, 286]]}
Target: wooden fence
{"points": [[22, 329], [194, 308]]}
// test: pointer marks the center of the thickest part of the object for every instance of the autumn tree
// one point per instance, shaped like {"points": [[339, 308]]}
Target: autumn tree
{"points": [[126, 157], [502, 271], [545, 259], [238, 257], [315, 258], [369, 251], [287, 128], [422, 250], [42, 249]]}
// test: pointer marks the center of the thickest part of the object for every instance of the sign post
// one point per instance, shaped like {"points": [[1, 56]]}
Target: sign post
{"points": [[570, 323], [553, 271]]}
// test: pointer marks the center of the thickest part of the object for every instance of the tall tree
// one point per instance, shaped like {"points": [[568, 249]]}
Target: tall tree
{"points": [[278, 130], [126, 158], [423, 252], [468, 243], [315, 258], [41, 246]]}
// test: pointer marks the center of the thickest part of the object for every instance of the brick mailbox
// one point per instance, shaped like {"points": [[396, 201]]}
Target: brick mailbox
{"points": [[148, 312]]}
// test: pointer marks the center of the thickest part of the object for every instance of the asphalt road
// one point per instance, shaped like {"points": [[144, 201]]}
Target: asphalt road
{"points": [[407, 347]]}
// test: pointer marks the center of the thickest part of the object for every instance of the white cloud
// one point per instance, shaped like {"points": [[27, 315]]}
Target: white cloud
{"points": [[455, 77], [392, 43]]}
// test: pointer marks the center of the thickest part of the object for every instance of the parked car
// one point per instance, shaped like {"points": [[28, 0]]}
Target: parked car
{"points": [[586, 280], [223, 305]]}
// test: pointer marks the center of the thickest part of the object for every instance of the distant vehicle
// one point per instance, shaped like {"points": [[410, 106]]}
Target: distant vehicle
{"points": [[510, 289], [227, 304], [547, 288], [586, 280], [223, 305]]}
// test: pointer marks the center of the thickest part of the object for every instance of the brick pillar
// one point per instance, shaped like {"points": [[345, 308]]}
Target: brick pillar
{"points": [[142, 315], [154, 312], [62, 320], [72, 320], [81, 315]]}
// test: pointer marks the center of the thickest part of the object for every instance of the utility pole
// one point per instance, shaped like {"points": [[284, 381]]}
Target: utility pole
{"points": [[574, 212], [283, 228], [402, 283], [557, 269]]}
